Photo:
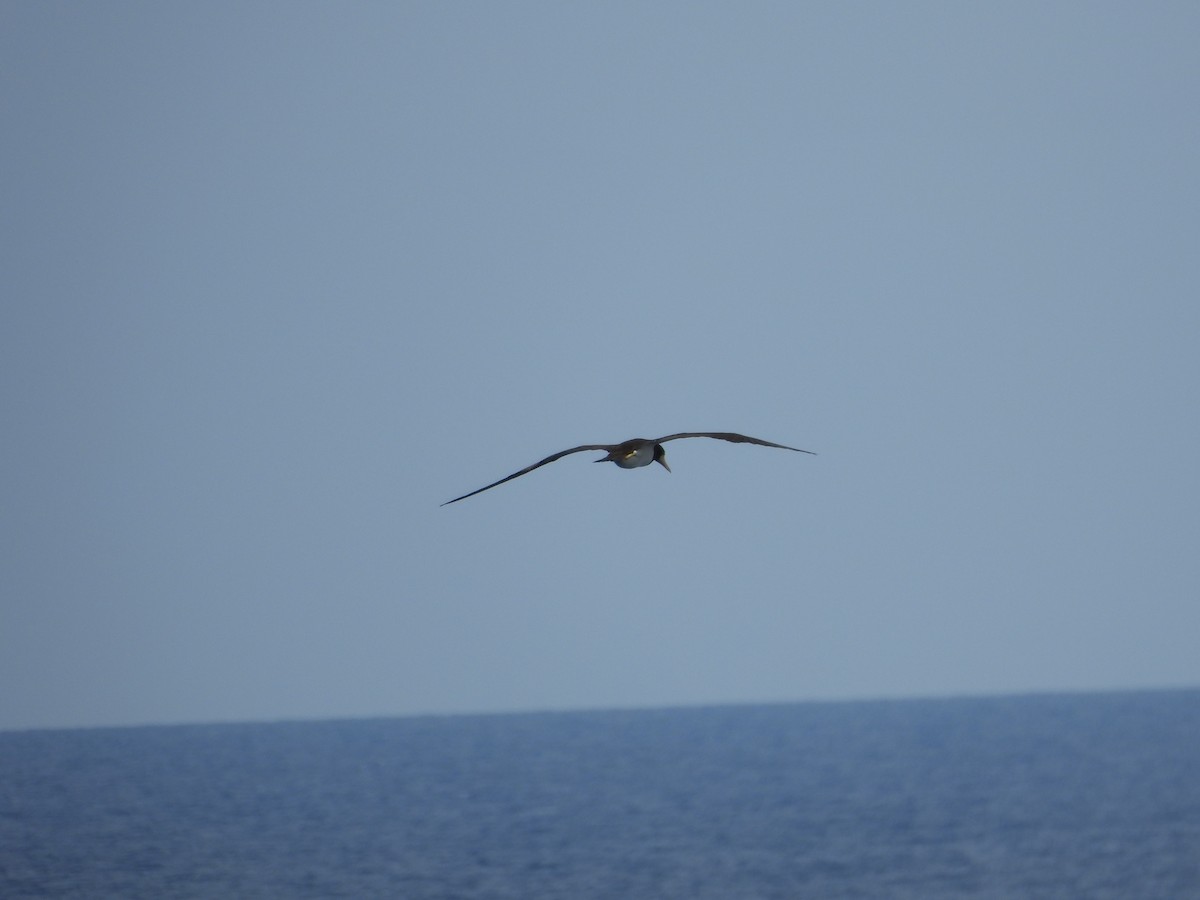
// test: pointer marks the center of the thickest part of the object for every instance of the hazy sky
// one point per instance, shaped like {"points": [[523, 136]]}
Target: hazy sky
{"points": [[279, 279]]}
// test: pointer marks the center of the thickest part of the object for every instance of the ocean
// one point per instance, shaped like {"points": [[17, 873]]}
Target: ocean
{"points": [[1072, 796]]}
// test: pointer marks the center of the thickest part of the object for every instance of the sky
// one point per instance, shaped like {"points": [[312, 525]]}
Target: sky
{"points": [[279, 280]]}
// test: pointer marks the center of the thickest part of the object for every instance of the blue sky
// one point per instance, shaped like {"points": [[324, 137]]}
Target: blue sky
{"points": [[281, 280]]}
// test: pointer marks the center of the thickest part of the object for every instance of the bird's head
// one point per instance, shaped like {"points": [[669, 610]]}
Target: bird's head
{"points": [[660, 456]]}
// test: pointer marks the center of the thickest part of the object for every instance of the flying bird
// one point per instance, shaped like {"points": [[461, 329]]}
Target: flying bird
{"points": [[633, 454]]}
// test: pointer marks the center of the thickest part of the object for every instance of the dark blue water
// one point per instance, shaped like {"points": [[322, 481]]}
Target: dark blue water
{"points": [[1054, 796]]}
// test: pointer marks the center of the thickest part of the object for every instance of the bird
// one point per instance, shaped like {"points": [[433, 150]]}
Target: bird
{"points": [[633, 454]]}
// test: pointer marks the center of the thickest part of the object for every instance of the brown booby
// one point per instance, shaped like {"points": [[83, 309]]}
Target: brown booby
{"points": [[633, 454]]}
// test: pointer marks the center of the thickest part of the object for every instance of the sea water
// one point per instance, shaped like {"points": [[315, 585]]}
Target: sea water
{"points": [[1025, 797]]}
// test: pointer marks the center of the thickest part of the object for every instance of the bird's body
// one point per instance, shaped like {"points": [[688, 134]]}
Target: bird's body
{"points": [[633, 454]]}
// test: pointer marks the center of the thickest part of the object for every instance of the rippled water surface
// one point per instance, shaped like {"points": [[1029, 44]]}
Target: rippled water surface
{"points": [[1041, 796]]}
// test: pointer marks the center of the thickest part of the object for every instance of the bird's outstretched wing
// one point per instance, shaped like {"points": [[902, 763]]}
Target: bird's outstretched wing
{"points": [[731, 437], [549, 459]]}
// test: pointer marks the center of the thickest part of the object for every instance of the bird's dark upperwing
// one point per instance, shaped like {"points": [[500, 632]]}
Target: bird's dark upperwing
{"points": [[731, 437], [528, 469]]}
